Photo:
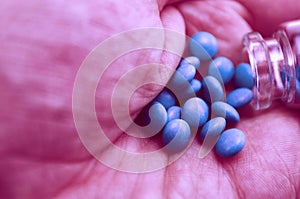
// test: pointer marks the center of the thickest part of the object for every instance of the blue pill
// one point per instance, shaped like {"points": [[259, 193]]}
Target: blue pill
{"points": [[222, 69], [193, 89], [173, 113], [243, 76], [230, 142], [212, 89], [203, 45], [195, 112], [297, 93], [191, 60], [298, 72], [196, 85], [176, 135], [158, 116], [239, 97], [213, 128], [222, 109], [179, 85], [155, 113], [166, 98], [188, 71]]}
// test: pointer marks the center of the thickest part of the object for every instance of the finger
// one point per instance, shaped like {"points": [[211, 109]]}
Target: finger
{"points": [[227, 20], [266, 15]]}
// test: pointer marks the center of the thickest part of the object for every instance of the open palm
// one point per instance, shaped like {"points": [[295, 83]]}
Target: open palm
{"points": [[42, 47]]}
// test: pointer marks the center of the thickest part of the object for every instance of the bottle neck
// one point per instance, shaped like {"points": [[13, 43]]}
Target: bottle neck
{"points": [[272, 67]]}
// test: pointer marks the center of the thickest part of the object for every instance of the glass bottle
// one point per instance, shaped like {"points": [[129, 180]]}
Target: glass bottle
{"points": [[275, 64]]}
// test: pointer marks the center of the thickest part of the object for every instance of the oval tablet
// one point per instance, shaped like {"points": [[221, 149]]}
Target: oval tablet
{"points": [[166, 98], [243, 76], [176, 135], [222, 109], [239, 97], [213, 128], [230, 142], [203, 45], [188, 71], [195, 112], [191, 60], [222, 69], [173, 113], [196, 85], [212, 89]]}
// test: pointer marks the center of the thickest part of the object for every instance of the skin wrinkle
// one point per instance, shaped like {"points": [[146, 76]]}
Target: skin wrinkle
{"points": [[148, 91], [285, 168], [175, 193], [167, 16], [257, 155], [180, 170], [232, 170], [114, 175], [60, 185], [247, 14], [287, 174], [169, 12], [134, 188], [87, 171], [285, 186], [67, 185], [164, 183], [232, 178], [216, 164], [231, 174], [37, 154], [136, 103], [170, 182], [148, 191], [77, 177]]}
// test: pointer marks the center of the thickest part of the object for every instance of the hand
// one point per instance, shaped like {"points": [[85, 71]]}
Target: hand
{"points": [[43, 45]]}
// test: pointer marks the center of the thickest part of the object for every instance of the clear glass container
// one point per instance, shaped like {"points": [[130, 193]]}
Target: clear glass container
{"points": [[275, 65]]}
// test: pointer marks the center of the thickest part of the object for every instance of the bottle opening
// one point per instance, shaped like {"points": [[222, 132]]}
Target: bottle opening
{"points": [[256, 53], [275, 65]]}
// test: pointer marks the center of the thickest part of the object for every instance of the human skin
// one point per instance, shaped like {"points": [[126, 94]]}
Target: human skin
{"points": [[43, 44]]}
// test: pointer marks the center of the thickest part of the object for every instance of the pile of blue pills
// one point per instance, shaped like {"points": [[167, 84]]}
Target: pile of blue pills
{"points": [[209, 109]]}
